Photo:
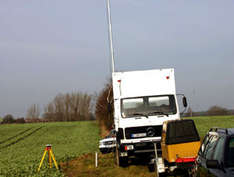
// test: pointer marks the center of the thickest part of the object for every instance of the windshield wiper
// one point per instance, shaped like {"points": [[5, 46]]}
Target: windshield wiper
{"points": [[158, 112], [140, 114]]}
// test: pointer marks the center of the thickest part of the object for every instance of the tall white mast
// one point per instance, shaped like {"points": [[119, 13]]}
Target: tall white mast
{"points": [[110, 36]]}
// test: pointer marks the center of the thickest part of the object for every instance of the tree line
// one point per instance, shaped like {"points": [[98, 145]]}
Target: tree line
{"points": [[76, 106], [69, 107], [212, 111]]}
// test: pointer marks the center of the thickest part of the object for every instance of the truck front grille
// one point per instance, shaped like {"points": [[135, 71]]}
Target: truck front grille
{"points": [[143, 132]]}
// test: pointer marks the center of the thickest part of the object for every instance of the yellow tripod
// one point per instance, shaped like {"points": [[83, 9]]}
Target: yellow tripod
{"points": [[50, 154]]}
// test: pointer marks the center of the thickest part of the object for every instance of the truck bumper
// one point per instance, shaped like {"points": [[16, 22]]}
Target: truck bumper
{"points": [[129, 148], [142, 140]]}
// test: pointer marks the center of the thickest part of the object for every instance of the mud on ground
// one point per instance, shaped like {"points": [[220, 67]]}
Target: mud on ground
{"points": [[85, 166]]}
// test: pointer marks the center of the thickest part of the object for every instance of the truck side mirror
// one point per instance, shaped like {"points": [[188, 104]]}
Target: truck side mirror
{"points": [[185, 101], [109, 108]]}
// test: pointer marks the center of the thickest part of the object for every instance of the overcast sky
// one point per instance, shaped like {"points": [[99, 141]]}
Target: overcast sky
{"points": [[57, 46]]}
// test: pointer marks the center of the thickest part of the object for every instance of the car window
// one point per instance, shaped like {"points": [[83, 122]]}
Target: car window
{"points": [[111, 134], [219, 150], [210, 147], [207, 144]]}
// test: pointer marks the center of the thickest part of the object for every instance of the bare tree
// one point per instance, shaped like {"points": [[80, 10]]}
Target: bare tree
{"points": [[75, 105], [33, 112], [67, 102], [104, 109], [217, 110], [59, 107], [87, 106], [69, 107], [49, 112]]}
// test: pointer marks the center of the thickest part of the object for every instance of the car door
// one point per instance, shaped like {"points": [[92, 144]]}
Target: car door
{"points": [[203, 149], [205, 152], [199, 167], [218, 154]]}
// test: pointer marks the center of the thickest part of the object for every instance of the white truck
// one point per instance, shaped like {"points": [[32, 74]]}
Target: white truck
{"points": [[143, 100]]}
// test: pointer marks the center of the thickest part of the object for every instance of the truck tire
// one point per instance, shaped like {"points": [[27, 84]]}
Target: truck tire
{"points": [[123, 161], [163, 174], [120, 161], [151, 167]]}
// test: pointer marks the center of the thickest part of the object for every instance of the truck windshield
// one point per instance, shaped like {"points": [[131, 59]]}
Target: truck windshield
{"points": [[231, 153], [148, 106]]}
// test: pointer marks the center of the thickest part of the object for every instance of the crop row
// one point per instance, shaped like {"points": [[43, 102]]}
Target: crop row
{"points": [[12, 137], [21, 138]]}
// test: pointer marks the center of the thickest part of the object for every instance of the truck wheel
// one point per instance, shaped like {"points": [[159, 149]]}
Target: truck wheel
{"points": [[151, 167], [163, 174], [120, 161], [123, 161]]}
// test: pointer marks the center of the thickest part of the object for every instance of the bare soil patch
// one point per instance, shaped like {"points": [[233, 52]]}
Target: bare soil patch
{"points": [[85, 166]]}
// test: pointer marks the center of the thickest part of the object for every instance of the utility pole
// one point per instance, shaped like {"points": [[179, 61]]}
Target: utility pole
{"points": [[110, 35]]}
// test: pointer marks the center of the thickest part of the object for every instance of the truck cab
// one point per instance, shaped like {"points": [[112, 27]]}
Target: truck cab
{"points": [[143, 100]]}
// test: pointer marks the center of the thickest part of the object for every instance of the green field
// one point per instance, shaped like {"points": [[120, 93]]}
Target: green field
{"points": [[22, 145], [203, 124]]}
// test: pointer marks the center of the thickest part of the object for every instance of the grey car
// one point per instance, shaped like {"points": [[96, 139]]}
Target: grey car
{"points": [[216, 154]]}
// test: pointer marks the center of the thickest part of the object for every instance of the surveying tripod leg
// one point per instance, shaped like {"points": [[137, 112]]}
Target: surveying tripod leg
{"points": [[50, 160], [42, 159], [52, 155]]}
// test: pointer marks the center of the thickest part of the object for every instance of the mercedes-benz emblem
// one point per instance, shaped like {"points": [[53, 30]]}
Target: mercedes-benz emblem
{"points": [[150, 131]]}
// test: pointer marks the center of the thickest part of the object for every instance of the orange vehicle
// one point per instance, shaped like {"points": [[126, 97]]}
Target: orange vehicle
{"points": [[180, 143]]}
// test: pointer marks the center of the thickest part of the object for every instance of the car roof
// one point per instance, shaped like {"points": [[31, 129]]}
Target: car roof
{"points": [[222, 131], [230, 131]]}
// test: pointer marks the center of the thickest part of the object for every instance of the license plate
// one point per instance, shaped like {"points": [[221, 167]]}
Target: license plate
{"points": [[137, 135]]}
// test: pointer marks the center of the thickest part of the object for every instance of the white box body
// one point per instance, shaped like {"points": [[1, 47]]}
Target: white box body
{"points": [[134, 84]]}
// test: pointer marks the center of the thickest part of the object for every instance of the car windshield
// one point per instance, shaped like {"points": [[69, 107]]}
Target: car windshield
{"points": [[111, 134], [148, 106], [231, 153]]}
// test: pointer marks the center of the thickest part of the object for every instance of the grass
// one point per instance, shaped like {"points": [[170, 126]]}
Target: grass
{"points": [[84, 165], [22, 145], [204, 123]]}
